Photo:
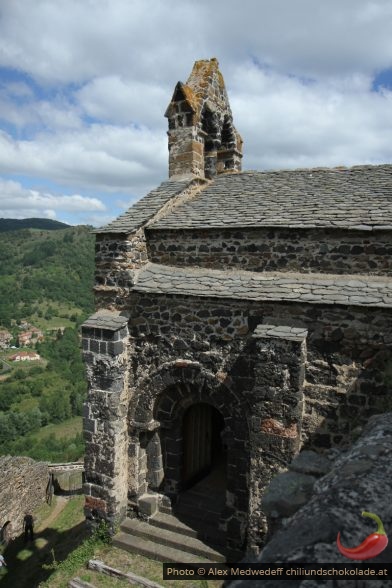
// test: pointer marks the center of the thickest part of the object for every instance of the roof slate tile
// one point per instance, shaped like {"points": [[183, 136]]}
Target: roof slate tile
{"points": [[245, 285], [357, 198]]}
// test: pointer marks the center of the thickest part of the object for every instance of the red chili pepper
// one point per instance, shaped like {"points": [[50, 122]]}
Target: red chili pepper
{"points": [[370, 547]]}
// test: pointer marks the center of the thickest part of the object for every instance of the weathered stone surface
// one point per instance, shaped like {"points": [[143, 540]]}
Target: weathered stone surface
{"points": [[245, 285], [111, 321], [145, 209], [310, 462], [336, 505], [23, 483], [328, 250], [287, 493], [105, 345], [203, 141], [280, 332]]}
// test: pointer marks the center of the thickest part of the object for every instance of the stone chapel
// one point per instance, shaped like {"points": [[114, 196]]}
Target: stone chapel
{"points": [[241, 316]]}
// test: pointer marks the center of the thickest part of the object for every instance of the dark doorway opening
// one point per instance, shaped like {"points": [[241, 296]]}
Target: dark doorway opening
{"points": [[203, 449], [202, 500]]}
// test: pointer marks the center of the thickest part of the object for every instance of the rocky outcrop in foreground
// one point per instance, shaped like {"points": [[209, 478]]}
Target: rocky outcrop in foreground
{"points": [[358, 480]]}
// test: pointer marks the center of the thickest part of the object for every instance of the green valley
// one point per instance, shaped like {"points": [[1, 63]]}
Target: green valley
{"points": [[46, 279]]}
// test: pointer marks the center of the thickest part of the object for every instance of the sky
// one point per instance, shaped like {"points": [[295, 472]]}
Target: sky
{"points": [[84, 85]]}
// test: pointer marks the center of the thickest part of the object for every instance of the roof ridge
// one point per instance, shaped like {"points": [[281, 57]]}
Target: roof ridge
{"points": [[144, 209], [311, 169]]}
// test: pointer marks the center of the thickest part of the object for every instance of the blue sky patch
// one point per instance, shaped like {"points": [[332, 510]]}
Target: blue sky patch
{"points": [[383, 80]]}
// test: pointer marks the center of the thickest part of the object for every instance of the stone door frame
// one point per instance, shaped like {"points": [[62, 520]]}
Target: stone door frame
{"points": [[155, 429]]}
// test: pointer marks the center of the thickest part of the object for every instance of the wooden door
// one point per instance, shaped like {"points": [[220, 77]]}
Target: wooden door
{"points": [[197, 436]]}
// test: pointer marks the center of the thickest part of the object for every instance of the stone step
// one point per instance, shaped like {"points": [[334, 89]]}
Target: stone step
{"points": [[169, 522], [152, 550], [171, 539], [200, 530], [199, 520], [193, 503], [195, 514]]}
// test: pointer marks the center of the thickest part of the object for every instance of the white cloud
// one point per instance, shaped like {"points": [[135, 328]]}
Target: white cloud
{"points": [[286, 123], [19, 89], [27, 111], [73, 41], [83, 40], [85, 107], [115, 100], [103, 157], [19, 202]]}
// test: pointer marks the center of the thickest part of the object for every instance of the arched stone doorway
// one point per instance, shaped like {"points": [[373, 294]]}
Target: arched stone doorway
{"points": [[157, 445]]}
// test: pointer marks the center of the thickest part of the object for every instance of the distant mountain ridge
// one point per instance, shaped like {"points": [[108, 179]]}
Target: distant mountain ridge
{"points": [[46, 224]]}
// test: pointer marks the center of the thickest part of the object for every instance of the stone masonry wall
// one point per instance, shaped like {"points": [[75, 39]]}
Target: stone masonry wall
{"points": [[105, 352], [202, 138], [116, 259], [118, 255], [258, 390], [264, 249], [348, 351], [23, 483]]}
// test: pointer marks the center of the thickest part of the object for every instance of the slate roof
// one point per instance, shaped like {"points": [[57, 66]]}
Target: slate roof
{"points": [[280, 332], [145, 208], [353, 198], [106, 319], [358, 290]]}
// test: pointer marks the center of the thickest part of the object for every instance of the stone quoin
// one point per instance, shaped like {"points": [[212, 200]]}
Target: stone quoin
{"points": [[241, 316]]}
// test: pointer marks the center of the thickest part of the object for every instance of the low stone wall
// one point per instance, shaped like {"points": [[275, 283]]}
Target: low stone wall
{"points": [[332, 251], [68, 482], [360, 479], [23, 483]]}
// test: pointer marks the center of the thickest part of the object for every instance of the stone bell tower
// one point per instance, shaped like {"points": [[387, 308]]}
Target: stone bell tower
{"points": [[203, 141]]}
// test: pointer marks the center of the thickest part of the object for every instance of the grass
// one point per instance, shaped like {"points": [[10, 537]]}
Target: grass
{"points": [[62, 549], [65, 430], [26, 404], [16, 365], [61, 536], [60, 316], [124, 561]]}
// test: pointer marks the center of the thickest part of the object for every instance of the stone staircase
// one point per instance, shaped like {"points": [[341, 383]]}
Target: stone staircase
{"points": [[168, 539]]}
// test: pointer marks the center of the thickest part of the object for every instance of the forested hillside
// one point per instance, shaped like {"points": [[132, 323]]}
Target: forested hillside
{"points": [[39, 267], [12, 224], [46, 279]]}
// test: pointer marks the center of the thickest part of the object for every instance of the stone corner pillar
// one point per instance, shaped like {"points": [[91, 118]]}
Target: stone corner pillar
{"points": [[105, 353], [276, 423]]}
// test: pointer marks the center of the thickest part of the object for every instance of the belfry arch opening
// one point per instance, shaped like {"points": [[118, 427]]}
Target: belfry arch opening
{"points": [[210, 131]]}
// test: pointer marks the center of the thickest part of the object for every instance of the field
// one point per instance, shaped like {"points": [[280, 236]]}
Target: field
{"points": [[50, 316], [65, 430]]}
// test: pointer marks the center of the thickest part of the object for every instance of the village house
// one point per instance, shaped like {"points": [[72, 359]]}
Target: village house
{"points": [[30, 337], [5, 339], [241, 317], [25, 356]]}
